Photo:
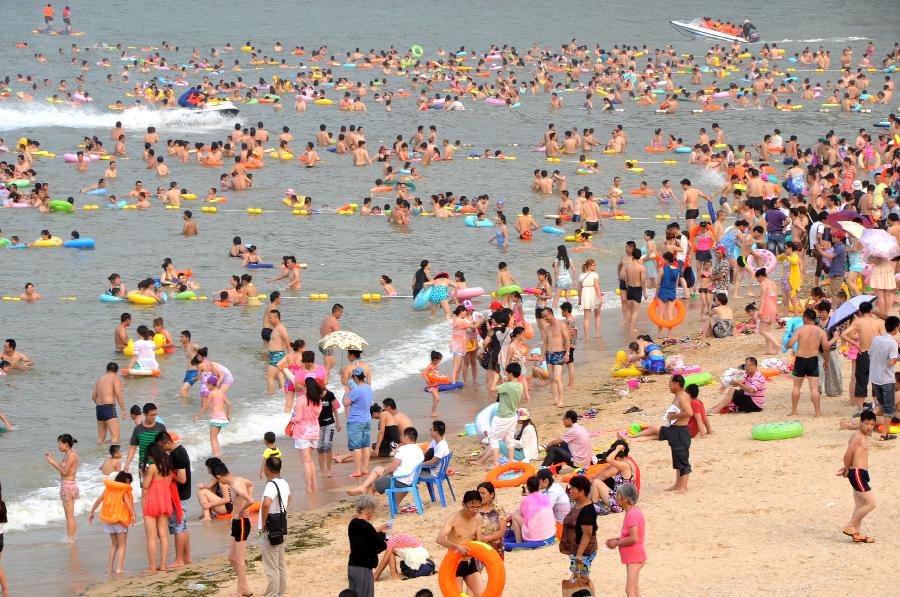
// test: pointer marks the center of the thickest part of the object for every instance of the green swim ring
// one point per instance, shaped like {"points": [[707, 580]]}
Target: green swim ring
{"points": [[772, 431], [417, 51]]}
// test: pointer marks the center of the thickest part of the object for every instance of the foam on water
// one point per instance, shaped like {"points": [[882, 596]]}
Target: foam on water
{"points": [[831, 40], [33, 116]]}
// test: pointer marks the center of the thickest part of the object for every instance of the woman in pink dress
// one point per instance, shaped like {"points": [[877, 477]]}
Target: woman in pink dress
{"points": [[158, 504], [306, 428], [458, 336], [631, 540]]}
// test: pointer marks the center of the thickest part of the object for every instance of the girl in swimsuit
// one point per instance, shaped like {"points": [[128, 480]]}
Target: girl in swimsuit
{"points": [[440, 293], [501, 237]]}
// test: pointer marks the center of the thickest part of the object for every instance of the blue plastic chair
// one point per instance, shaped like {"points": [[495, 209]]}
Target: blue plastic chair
{"points": [[413, 488], [437, 478]]}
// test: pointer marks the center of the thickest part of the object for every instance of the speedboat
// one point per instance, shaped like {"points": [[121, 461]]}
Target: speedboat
{"points": [[694, 30]]}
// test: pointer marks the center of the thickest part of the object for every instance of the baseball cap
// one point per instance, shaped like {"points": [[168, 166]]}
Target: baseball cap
{"points": [[468, 305], [524, 415], [496, 306], [720, 249]]}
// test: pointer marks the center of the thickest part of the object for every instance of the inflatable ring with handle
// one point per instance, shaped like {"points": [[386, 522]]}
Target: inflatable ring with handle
{"points": [[666, 323], [481, 552]]}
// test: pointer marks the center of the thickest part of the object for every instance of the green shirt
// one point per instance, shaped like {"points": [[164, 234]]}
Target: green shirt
{"points": [[510, 396]]}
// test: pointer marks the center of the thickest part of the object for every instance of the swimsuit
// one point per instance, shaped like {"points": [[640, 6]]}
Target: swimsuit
{"points": [[634, 293], [190, 376], [859, 479], [438, 294], [654, 363], [266, 334], [68, 490], [556, 358], [105, 412], [240, 529], [691, 214], [806, 367], [275, 357]]}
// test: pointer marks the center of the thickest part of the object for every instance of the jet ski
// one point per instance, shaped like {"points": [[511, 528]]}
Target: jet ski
{"points": [[223, 108]]}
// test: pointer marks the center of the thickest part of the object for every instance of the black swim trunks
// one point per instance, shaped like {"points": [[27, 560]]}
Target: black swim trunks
{"points": [[755, 202], [806, 367], [691, 214], [105, 412], [240, 529], [592, 226], [266, 334], [634, 293], [704, 255], [679, 439], [859, 480], [741, 261], [466, 568]]}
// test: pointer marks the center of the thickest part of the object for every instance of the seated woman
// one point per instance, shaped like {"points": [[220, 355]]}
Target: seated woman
{"points": [[525, 439], [214, 498], [617, 472], [651, 357], [534, 520], [406, 549], [720, 322], [559, 501]]}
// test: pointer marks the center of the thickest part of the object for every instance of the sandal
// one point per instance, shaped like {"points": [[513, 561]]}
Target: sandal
{"points": [[849, 532], [888, 437], [859, 538]]}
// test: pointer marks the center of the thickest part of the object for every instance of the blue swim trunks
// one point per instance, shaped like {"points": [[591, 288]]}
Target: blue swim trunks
{"points": [[556, 358], [276, 356], [190, 376], [654, 364]]}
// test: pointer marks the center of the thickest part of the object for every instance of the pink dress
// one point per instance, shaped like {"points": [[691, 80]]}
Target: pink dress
{"points": [[308, 426], [458, 337], [633, 554], [538, 522]]}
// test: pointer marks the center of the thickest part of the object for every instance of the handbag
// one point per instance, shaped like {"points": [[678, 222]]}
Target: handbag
{"points": [[289, 429], [276, 524]]}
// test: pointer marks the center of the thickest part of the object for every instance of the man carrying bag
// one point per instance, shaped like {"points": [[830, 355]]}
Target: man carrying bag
{"points": [[272, 524]]}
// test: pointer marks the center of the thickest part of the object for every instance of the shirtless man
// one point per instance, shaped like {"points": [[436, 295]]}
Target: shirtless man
{"points": [[812, 341], [361, 155], [460, 528], [190, 227], [755, 189], [330, 324], [117, 132], [590, 215], [525, 224], [121, 335], [279, 341], [860, 334], [107, 391], [634, 274], [390, 406], [16, 359], [274, 301], [238, 248], [691, 203], [291, 272], [556, 347], [241, 497], [856, 465], [191, 374]]}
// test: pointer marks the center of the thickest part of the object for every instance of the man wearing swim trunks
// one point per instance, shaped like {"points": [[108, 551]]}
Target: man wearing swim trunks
{"points": [[811, 341], [278, 346], [191, 374], [864, 329], [590, 214], [330, 324], [556, 346], [691, 202], [108, 391], [242, 497], [460, 528], [856, 464], [634, 274], [274, 301]]}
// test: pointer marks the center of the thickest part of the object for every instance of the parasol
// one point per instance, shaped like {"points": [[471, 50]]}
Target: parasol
{"points": [[343, 340], [852, 228], [879, 243], [845, 215], [848, 310]]}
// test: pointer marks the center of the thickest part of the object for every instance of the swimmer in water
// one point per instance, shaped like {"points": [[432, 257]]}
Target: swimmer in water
{"points": [[387, 286], [30, 295]]}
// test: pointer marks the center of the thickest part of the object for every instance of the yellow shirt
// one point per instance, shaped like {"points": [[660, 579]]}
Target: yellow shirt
{"points": [[271, 452]]}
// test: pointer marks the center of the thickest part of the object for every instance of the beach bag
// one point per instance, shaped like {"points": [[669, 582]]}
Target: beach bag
{"points": [[426, 569], [289, 429], [276, 524]]}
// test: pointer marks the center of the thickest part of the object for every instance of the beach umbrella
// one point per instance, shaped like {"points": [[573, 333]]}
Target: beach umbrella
{"points": [[853, 228], [845, 215], [879, 243], [848, 310], [343, 340]]}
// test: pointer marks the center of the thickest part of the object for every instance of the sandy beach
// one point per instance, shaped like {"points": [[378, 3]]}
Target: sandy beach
{"points": [[759, 517]]}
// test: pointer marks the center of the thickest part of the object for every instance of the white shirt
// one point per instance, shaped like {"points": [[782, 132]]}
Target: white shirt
{"points": [[682, 255], [527, 443], [270, 492], [560, 500], [441, 449], [410, 456], [814, 231]]}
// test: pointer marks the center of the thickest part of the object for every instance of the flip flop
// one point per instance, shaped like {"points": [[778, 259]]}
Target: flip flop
{"points": [[858, 538], [848, 531], [888, 437]]}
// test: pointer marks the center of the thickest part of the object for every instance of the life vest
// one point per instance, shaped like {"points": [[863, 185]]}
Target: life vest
{"points": [[114, 510], [48, 11]]}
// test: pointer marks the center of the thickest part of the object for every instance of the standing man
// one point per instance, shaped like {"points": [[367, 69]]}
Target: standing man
{"points": [[241, 497], [677, 434], [191, 374], [812, 339], [275, 503], [143, 435], [860, 334], [181, 462], [107, 392], [460, 528], [422, 275], [856, 464], [274, 301], [883, 356], [634, 275], [48, 16], [291, 272], [330, 324], [556, 346], [279, 341], [67, 19], [690, 201]]}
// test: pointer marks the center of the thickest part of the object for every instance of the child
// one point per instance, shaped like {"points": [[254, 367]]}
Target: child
{"points": [[328, 422], [705, 282], [697, 425], [118, 514], [431, 371], [190, 227], [219, 411], [631, 540], [271, 450], [113, 464], [504, 278], [570, 320], [584, 242], [752, 325]]}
